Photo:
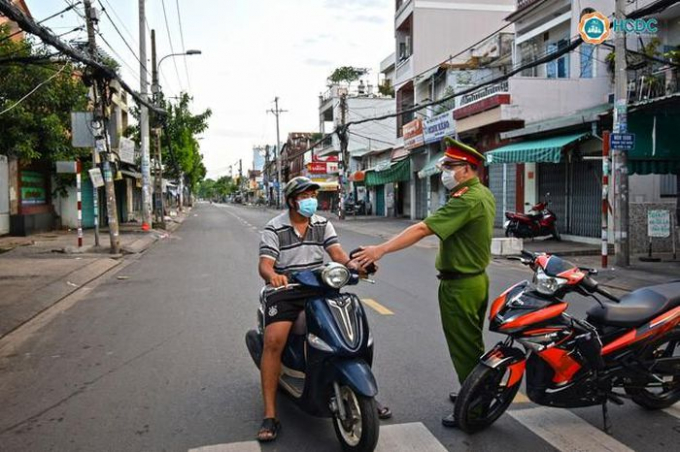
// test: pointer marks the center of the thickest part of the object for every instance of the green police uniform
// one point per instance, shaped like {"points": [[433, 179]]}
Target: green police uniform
{"points": [[465, 227]]}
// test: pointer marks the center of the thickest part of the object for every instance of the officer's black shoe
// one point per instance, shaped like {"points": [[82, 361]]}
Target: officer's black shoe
{"points": [[450, 421], [453, 396]]}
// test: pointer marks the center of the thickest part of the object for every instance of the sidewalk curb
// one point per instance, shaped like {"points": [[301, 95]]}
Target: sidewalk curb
{"points": [[54, 292]]}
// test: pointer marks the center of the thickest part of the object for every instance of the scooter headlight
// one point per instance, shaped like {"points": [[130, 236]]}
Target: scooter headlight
{"points": [[335, 275], [547, 285], [318, 343]]}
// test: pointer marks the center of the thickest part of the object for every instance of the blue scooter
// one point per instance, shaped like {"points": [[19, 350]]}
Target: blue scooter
{"points": [[326, 364]]}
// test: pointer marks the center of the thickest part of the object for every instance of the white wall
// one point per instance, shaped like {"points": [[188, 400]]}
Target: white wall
{"points": [[383, 133], [443, 28], [540, 98], [66, 207]]}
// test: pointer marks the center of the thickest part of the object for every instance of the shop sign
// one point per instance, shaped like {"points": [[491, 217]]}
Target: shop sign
{"points": [[96, 177], [33, 188], [332, 168], [317, 168], [438, 127], [658, 223], [126, 150], [413, 134]]}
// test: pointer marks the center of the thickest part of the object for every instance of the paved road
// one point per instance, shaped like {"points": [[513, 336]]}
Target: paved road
{"points": [[153, 359]]}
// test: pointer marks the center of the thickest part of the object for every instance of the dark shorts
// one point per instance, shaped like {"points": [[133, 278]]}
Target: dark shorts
{"points": [[283, 311]]}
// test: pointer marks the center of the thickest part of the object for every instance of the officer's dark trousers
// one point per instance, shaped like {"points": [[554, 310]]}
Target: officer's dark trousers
{"points": [[462, 304]]}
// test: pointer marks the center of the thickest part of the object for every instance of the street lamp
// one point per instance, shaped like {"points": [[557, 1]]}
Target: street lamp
{"points": [[155, 89]]}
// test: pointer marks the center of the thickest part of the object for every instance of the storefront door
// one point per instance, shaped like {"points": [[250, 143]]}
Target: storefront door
{"points": [[380, 200]]}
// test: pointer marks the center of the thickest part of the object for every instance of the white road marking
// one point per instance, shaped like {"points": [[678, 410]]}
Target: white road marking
{"points": [[673, 410], [408, 437], [414, 437], [247, 446], [565, 431]]}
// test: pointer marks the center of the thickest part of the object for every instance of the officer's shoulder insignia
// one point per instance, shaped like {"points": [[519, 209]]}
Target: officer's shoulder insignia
{"points": [[460, 192]]}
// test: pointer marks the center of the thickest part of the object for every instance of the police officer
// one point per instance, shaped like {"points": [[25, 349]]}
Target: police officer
{"points": [[465, 227]]}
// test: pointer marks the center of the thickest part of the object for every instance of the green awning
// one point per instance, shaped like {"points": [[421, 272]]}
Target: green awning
{"points": [[547, 150], [397, 172], [657, 150], [431, 167]]}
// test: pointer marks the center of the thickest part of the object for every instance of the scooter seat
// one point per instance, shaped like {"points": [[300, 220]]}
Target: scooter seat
{"points": [[638, 307]]}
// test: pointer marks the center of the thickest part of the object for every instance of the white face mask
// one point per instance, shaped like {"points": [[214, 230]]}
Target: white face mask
{"points": [[449, 179]]}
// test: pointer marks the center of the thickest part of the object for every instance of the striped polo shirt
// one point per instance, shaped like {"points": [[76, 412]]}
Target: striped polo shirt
{"points": [[281, 242]]}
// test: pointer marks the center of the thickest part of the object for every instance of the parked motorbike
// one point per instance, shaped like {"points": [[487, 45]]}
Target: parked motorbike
{"points": [[326, 364], [539, 222], [625, 348]]}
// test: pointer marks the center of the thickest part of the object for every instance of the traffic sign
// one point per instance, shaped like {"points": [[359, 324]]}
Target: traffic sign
{"points": [[622, 141]]}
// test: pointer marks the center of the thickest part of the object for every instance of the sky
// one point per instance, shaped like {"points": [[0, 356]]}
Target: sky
{"points": [[252, 51]]}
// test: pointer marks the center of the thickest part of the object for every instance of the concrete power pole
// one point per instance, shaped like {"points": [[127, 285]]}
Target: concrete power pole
{"points": [[620, 163], [144, 121], [92, 50], [101, 139], [159, 205], [344, 169], [276, 113]]}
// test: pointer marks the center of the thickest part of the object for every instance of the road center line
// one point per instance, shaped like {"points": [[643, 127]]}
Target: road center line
{"points": [[247, 446], [565, 431], [408, 437], [380, 309]]}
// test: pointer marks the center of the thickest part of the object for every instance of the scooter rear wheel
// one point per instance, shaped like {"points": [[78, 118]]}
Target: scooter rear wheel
{"points": [[657, 398], [359, 433], [483, 398]]}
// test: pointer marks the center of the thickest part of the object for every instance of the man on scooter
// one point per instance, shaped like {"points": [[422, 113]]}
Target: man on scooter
{"points": [[293, 241]]}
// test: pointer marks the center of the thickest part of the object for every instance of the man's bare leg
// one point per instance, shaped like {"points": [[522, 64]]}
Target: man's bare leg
{"points": [[275, 337]]}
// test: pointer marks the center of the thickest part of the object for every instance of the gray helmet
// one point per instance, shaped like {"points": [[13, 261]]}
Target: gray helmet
{"points": [[298, 185]]}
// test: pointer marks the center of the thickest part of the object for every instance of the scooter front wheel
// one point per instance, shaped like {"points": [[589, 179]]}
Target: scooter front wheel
{"points": [[484, 397], [360, 430]]}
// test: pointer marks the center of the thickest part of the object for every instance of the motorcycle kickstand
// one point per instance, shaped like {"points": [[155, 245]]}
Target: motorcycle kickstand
{"points": [[606, 419]]}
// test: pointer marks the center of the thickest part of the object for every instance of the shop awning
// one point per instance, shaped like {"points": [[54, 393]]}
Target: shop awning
{"points": [[431, 167], [397, 172], [547, 150], [656, 149]]}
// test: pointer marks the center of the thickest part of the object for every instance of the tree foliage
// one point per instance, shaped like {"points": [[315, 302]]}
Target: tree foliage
{"points": [[182, 128], [217, 189], [39, 127], [347, 74]]}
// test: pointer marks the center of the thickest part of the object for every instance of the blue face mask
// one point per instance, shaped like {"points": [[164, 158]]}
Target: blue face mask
{"points": [[307, 207]]}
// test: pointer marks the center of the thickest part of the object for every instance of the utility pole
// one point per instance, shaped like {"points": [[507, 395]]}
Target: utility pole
{"points": [[344, 169], [92, 50], [265, 172], [276, 113], [100, 128], [144, 121], [619, 156], [240, 177], [159, 205]]}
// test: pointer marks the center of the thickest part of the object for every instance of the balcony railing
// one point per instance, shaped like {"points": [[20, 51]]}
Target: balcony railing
{"points": [[646, 87], [501, 87]]}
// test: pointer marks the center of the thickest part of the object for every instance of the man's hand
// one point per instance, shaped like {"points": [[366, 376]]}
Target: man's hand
{"points": [[369, 255], [279, 280]]}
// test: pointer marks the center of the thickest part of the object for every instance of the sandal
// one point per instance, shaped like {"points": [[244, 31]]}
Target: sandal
{"points": [[384, 412], [269, 430]]}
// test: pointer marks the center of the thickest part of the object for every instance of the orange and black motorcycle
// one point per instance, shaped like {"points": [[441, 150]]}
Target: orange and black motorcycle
{"points": [[624, 348]]}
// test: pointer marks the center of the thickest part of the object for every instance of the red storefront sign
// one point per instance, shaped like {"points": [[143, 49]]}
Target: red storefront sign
{"points": [[317, 167]]}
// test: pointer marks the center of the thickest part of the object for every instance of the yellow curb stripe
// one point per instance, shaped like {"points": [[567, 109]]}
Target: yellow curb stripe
{"points": [[380, 309]]}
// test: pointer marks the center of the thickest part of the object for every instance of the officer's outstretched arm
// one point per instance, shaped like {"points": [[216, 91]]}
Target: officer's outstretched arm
{"points": [[409, 236]]}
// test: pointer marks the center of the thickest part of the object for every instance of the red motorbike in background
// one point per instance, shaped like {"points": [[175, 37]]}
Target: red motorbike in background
{"points": [[624, 348], [539, 222]]}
